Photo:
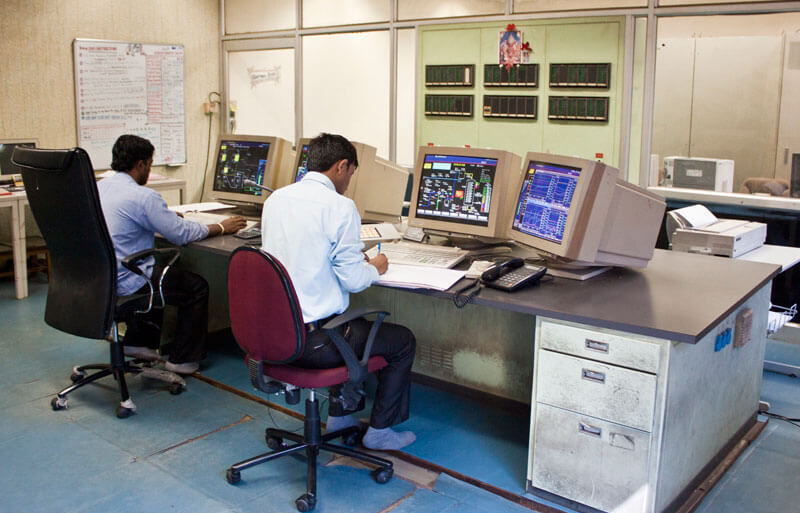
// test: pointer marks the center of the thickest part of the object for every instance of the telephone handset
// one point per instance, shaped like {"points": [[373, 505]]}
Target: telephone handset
{"points": [[512, 274]]}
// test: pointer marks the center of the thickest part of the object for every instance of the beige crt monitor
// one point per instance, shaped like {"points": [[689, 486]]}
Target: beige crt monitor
{"points": [[258, 158], [378, 186], [463, 191], [579, 212]]}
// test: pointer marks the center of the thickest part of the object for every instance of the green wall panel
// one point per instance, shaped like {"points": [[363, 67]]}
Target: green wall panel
{"points": [[583, 40]]}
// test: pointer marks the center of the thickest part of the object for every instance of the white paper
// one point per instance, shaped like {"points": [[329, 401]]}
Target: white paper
{"points": [[697, 216], [420, 277], [199, 207]]}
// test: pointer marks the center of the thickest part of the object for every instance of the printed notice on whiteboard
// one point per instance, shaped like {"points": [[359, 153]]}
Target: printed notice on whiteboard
{"points": [[130, 88]]}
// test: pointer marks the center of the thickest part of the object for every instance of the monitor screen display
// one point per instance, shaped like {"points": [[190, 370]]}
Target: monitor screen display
{"points": [[545, 199], [302, 163], [6, 150], [239, 161], [456, 188]]}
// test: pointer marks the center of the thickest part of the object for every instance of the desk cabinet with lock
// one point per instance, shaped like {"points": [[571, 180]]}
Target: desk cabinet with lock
{"points": [[625, 423]]}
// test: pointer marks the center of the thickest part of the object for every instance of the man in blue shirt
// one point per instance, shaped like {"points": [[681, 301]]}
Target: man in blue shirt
{"points": [[133, 214], [314, 231]]}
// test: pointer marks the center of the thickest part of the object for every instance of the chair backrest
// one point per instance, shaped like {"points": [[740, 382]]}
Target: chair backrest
{"points": [[266, 318], [62, 192]]}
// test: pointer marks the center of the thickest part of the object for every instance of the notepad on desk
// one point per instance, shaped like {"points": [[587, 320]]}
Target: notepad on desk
{"points": [[419, 277], [206, 206]]}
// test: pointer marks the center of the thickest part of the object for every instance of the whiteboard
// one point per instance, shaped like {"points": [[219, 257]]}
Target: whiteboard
{"points": [[129, 88]]}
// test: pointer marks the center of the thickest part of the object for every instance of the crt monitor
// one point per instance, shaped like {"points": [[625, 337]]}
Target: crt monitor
{"points": [[259, 159], [301, 163], [578, 212], [7, 169], [462, 191], [378, 186]]}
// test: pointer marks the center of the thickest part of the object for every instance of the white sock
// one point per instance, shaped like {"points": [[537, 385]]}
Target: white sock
{"points": [[337, 423], [387, 439]]}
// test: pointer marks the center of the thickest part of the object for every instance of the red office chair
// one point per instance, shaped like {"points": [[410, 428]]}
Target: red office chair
{"points": [[268, 325]]}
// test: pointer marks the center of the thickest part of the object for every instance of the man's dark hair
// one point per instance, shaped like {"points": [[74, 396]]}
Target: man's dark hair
{"points": [[128, 150], [325, 150]]}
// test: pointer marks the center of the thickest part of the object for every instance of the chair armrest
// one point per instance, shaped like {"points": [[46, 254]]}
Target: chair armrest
{"points": [[357, 370], [130, 261], [349, 315]]}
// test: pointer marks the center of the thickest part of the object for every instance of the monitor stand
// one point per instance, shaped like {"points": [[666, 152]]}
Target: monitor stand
{"points": [[249, 210], [574, 272]]}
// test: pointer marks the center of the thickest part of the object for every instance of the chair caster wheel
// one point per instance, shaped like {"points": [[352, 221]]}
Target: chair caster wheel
{"points": [[123, 412], [58, 404], [233, 476], [274, 443], [77, 376], [382, 475], [305, 502], [175, 389]]}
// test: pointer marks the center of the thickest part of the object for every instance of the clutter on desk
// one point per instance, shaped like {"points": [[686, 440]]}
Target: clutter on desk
{"points": [[694, 229]]}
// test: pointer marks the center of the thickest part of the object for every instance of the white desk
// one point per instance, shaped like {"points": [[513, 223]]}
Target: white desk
{"points": [[16, 201]]}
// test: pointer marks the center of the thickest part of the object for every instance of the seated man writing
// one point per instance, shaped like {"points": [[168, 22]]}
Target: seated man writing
{"points": [[314, 231], [133, 214]]}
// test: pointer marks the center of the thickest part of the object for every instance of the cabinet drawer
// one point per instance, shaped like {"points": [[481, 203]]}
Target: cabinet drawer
{"points": [[604, 346], [592, 388], [590, 461]]}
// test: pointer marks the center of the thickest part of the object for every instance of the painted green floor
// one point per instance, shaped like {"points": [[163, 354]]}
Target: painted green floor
{"points": [[172, 455]]}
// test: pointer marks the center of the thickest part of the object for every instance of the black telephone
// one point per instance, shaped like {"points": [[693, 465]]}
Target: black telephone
{"points": [[512, 274]]}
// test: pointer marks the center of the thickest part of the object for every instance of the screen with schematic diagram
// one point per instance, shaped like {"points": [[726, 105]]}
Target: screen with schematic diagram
{"points": [[544, 200], [238, 161], [456, 188]]}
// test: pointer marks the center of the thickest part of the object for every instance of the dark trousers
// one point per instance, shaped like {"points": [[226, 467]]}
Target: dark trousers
{"points": [[187, 291], [395, 343]]}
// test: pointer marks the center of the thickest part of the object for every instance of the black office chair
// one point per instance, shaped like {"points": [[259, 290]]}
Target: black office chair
{"points": [[82, 294], [268, 325]]}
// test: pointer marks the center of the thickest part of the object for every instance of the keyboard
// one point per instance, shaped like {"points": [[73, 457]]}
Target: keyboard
{"points": [[415, 253], [209, 218], [380, 231]]}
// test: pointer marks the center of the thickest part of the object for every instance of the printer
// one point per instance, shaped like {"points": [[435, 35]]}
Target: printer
{"points": [[695, 229], [699, 173]]}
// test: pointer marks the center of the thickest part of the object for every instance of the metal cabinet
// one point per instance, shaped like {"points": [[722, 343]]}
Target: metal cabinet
{"points": [[628, 423]]}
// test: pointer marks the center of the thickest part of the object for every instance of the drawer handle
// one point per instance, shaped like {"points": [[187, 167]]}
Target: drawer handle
{"points": [[586, 429], [597, 377], [594, 345]]}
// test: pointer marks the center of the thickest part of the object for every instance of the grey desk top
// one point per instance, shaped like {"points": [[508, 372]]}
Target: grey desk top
{"points": [[678, 296]]}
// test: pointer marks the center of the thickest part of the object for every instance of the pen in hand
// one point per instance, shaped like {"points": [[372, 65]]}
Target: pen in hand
{"points": [[379, 248]]}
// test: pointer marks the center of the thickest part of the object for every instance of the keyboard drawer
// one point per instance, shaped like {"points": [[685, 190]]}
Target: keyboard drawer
{"points": [[603, 391], [602, 345], [591, 461]]}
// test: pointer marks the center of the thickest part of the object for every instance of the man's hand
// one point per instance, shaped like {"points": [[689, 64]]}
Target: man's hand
{"points": [[380, 262], [234, 224]]}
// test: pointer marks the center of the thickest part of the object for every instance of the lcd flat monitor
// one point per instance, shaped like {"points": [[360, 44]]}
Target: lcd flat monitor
{"points": [[7, 169], [462, 191], [578, 213], [241, 159]]}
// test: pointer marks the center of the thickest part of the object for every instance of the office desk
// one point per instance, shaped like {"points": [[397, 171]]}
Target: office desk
{"points": [[17, 202], [630, 401]]}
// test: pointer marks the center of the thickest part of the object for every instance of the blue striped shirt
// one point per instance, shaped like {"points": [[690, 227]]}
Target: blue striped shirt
{"points": [[133, 214]]}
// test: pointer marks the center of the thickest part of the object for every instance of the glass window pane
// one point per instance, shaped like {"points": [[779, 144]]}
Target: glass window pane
{"points": [[420, 9], [242, 16], [325, 13], [346, 87], [722, 84], [406, 66], [573, 5], [261, 92]]}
